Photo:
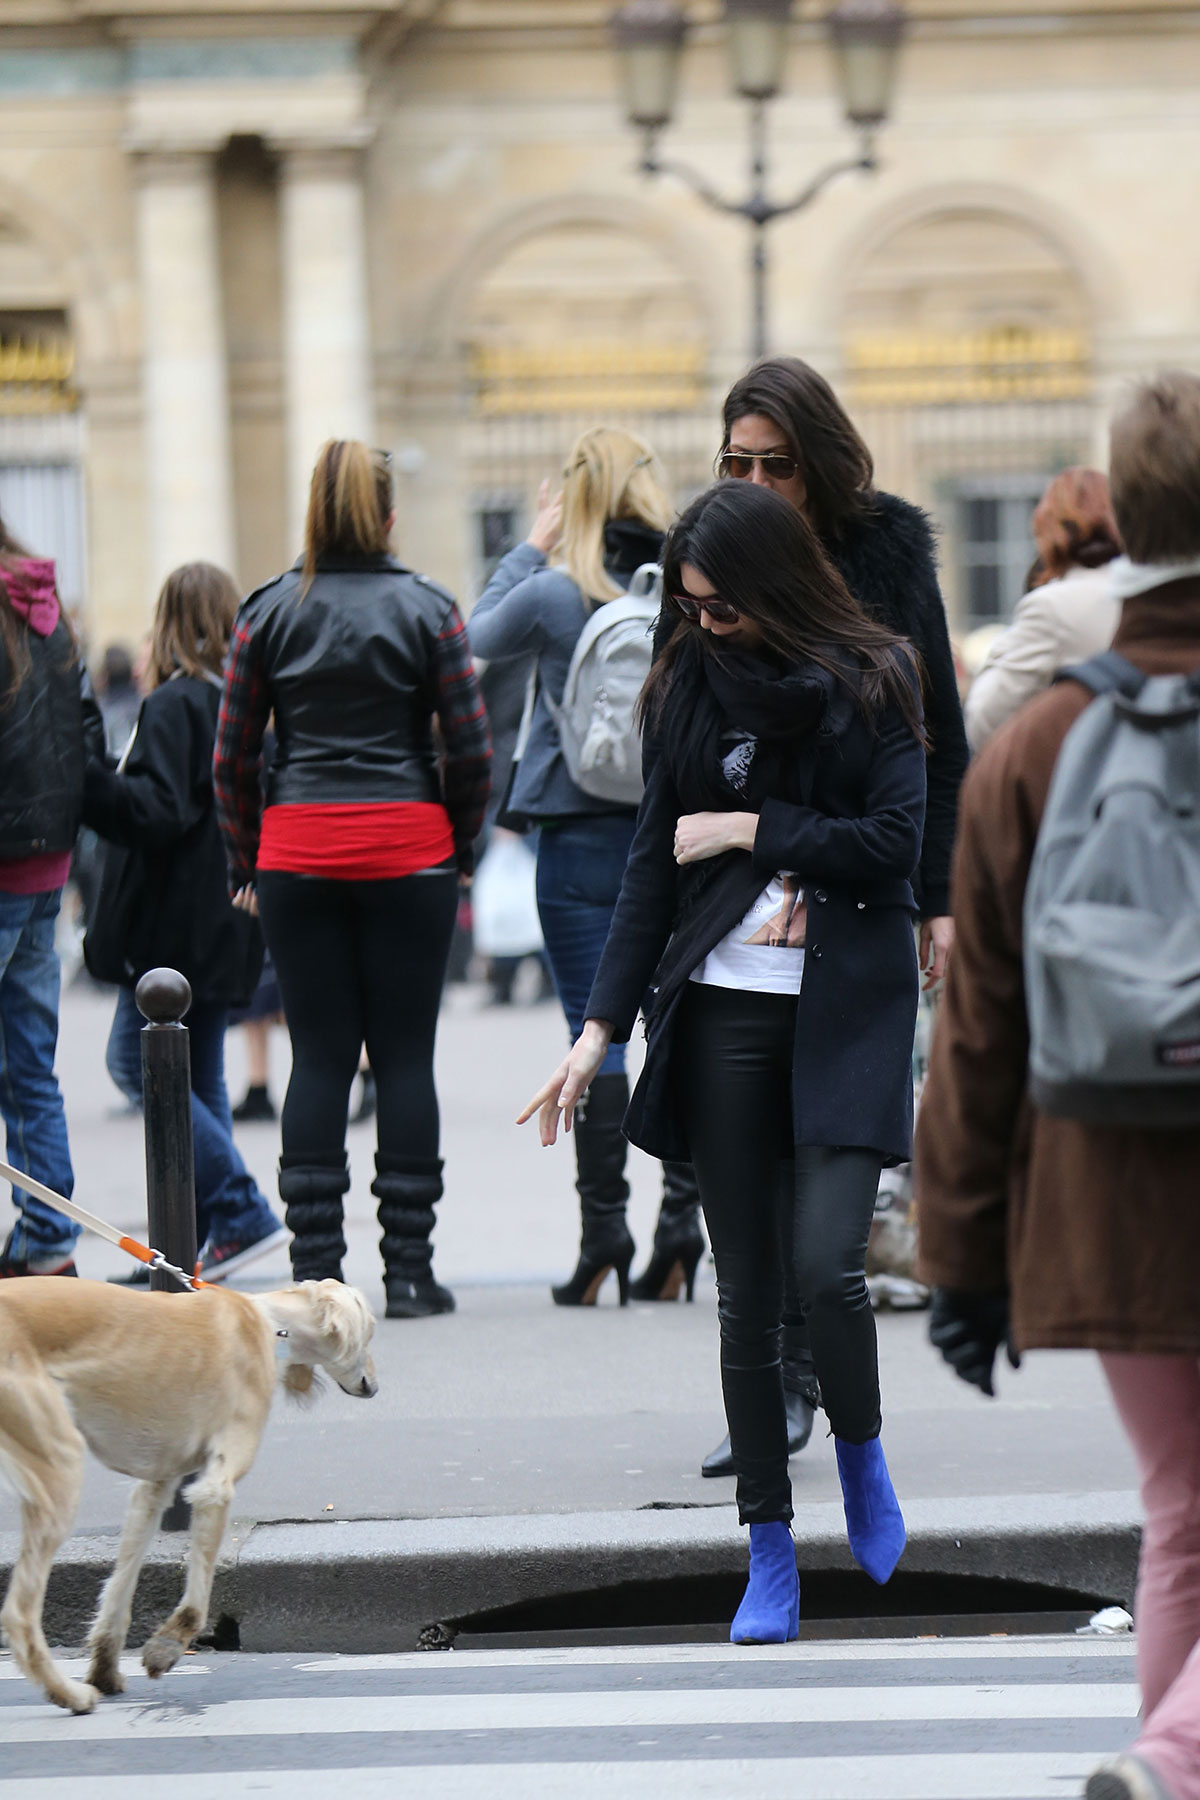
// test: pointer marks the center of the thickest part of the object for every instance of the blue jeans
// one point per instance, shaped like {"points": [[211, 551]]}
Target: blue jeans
{"points": [[579, 868], [230, 1208], [36, 1125]]}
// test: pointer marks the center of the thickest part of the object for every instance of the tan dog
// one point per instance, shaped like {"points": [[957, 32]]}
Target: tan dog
{"points": [[159, 1386]]}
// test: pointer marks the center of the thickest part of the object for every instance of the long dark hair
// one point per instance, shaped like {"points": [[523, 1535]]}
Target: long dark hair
{"points": [[835, 464], [764, 559]]}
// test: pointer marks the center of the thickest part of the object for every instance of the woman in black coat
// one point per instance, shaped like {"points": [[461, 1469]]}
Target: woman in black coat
{"points": [[163, 900], [784, 428], [767, 907]]}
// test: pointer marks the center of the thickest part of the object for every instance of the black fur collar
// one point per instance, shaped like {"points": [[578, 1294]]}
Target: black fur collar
{"points": [[884, 559]]}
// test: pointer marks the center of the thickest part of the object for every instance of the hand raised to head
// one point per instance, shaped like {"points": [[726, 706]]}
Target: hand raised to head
{"points": [[546, 529]]}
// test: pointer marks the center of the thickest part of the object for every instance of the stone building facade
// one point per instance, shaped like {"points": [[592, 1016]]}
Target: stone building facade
{"points": [[229, 231]]}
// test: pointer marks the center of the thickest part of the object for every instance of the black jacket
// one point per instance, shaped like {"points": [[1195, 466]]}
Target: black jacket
{"points": [[163, 900], [47, 728], [888, 560], [350, 669], [368, 673], [847, 817]]}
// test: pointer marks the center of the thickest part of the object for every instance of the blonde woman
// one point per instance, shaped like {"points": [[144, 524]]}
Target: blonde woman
{"points": [[355, 862], [609, 517]]}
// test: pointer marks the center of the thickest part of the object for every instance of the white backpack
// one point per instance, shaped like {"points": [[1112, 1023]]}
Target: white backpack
{"points": [[596, 719]]}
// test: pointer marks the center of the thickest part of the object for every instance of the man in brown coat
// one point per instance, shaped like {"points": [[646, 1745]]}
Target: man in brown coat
{"points": [[1045, 1232]]}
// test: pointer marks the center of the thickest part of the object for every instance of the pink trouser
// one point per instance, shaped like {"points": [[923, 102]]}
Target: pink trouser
{"points": [[1158, 1399]]}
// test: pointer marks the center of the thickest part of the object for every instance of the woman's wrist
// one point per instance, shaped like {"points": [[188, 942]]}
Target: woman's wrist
{"points": [[596, 1034]]}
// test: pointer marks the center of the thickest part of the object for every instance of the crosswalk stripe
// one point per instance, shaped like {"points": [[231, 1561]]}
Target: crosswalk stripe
{"points": [[1015, 1776], [704, 1707], [77, 1666], [857, 1650]]}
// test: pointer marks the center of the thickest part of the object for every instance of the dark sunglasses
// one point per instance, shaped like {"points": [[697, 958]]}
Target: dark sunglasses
{"points": [[720, 610], [740, 465]]}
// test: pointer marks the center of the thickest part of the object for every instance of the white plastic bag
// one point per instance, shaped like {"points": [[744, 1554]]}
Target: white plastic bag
{"points": [[504, 899]]}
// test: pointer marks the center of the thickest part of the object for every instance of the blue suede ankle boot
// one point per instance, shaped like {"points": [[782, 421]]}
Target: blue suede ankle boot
{"points": [[874, 1523], [770, 1609]]}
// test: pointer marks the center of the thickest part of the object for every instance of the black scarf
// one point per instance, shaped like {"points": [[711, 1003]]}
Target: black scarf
{"points": [[628, 544], [788, 710], [765, 701]]}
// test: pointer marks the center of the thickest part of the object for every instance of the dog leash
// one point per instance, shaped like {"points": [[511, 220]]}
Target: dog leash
{"points": [[154, 1259]]}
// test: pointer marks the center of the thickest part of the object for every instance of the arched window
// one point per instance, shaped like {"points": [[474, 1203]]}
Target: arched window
{"points": [[968, 366], [579, 324]]}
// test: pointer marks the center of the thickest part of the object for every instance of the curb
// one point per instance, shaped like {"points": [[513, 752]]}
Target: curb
{"points": [[372, 1586]]}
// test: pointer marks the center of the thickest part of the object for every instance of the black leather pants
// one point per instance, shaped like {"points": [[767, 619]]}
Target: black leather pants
{"points": [[733, 1070], [680, 1196]]}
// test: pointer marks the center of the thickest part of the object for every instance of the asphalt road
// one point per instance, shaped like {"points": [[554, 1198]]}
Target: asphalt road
{"points": [[513, 1405]]}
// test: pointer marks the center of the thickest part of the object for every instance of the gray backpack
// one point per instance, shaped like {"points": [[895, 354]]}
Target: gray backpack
{"points": [[596, 720], [1112, 907]]}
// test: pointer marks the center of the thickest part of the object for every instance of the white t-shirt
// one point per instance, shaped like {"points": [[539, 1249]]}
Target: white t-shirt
{"points": [[764, 953]]}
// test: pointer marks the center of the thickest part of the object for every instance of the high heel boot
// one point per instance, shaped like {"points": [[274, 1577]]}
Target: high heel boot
{"points": [[408, 1191], [801, 1413], [874, 1523], [770, 1609], [678, 1239], [312, 1188], [600, 1150]]}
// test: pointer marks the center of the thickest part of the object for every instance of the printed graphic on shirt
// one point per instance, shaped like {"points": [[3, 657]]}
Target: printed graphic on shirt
{"points": [[764, 953], [784, 930], [735, 764]]}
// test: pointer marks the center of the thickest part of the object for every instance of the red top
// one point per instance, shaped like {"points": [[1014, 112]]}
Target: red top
{"points": [[372, 841], [37, 874]]}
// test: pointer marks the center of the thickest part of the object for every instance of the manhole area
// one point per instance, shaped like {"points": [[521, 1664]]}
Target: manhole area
{"points": [[833, 1604]]}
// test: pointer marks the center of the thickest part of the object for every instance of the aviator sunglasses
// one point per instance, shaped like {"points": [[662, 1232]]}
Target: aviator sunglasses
{"points": [[739, 464], [718, 610]]}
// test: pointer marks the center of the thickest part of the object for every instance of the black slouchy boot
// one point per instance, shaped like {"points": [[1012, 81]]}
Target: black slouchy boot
{"points": [[408, 1192], [600, 1150], [678, 1239], [312, 1188]]}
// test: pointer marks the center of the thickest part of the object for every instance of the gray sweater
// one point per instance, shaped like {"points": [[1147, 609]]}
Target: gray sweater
{"points": [[530, 610]]}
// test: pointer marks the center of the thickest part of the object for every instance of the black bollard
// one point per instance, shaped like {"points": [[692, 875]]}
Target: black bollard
{"points": [[163, 996]]}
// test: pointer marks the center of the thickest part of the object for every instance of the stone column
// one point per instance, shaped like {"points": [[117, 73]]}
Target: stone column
{"points": [[326, 341], [185, 391]]}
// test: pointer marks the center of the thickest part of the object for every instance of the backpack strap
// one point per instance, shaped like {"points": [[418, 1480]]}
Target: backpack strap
{"points": [[1107, 673]]}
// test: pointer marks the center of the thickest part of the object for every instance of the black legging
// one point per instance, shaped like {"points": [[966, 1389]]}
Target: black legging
{"points": [[733, 1070], [360, 962]]}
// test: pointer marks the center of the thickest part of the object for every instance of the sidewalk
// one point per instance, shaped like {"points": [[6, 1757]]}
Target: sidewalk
{"points": [[491, 1421]]}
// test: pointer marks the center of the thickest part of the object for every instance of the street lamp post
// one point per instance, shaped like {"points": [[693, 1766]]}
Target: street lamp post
{"points": [[865, 36]]}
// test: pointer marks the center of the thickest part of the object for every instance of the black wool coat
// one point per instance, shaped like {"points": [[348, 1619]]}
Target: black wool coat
{"points": [[163, 899], [847, 817], [888, 560]]}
